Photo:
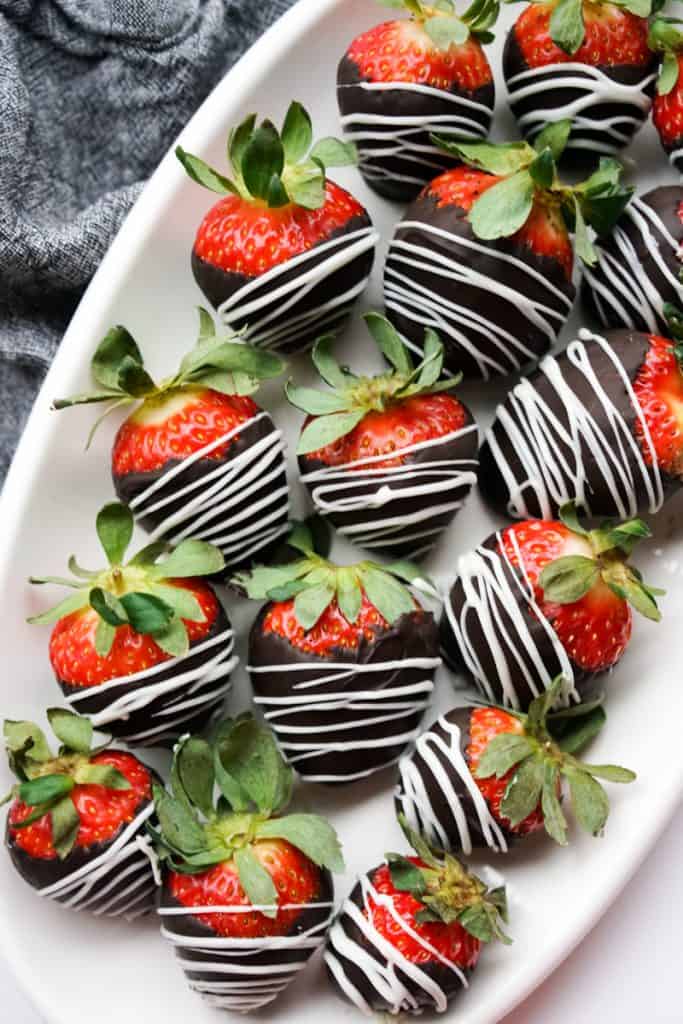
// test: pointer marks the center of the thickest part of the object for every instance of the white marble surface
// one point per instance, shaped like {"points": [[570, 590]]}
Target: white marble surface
{"points": [[625, 970]]}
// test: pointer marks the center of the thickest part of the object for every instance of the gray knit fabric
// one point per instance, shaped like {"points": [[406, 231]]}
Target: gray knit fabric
{"points": [[92, 92]]}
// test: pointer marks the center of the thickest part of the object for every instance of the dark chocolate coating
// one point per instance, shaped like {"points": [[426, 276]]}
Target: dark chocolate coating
{"points": [[119, 898], [129, 485], [481, 643], [411, 636], [674, 147], [483, 300], [440, 804], [641, 314], [631, 348], [462, 448], [219, 285], [446, 978], [553, 98], [94, 699], [402, 102]]}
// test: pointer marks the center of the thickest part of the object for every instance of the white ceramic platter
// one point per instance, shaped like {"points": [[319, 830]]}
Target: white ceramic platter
{"points": [[69, 962]]}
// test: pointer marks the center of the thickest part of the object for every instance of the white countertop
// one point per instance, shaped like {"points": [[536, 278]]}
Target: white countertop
{"points": [[625, 970]]}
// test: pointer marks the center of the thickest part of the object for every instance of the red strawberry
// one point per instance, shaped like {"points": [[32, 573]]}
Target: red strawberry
{"points": [[78, 808], [501, 224], [521, 765], [247, 893], [610, 100], [659, 390], [439, 79], [285, 252], [329, 632], [666, 38], [411, 932], [403, 503], [146, 621], [543, 598], [197, 456]]}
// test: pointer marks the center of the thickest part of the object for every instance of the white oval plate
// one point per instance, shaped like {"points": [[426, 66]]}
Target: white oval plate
{"points": [[68, 962]]}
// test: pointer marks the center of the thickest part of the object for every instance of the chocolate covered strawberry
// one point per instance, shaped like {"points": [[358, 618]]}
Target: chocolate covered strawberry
{"points": [[197, 457], [403, 79], [485, 777], [247, 892], [285, 252], [411, 932], [341, 659], [76, 824], [666, 39], [587, 60], [601, 424], [544, 598], [390, 458], [639, 265], [484, 255], [143, 647]]}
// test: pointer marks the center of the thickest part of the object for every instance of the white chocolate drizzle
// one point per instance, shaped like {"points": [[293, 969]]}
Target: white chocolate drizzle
{"points": [[209, 503], [441, 487], [422, 769], [271, 308], [553, 452]]}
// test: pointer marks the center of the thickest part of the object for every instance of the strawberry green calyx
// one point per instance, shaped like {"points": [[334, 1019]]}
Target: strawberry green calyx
{"points": [[666, 37], [571, 577], [539, 763], [567, 26], [447, 891], [136, 593], [338, 411], [529, 175], [314, 582], [46, 780], [241, 760], [218, 362], [274, 167], [444, 26], [674, 318]]}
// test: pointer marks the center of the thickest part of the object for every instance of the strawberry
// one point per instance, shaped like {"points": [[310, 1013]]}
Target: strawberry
{"points": [[285, 252], [519, 764], [411, 932], [659, 390], [544, 598], [404, 79], [246, 892], [582, 59], [638, 272], [75, 827], [197, 457], [502, 224], [399, 504], [666, 38], [144, 647], [341, 660]]}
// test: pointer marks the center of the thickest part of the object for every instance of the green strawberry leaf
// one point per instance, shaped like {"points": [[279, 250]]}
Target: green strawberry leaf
{"points": [[445, 31], [190, 558], [108, 607], [568, 578], [542, 170], [554, 137], [389, 342], [256, 882], [178, 824], [349, 594], [405, 876], [502, 753], [590, 803], [310, 604], [70, 604], [263, 157], [611, 772], [583, 245], [391, 598], [74, 731], [194, 761], [105, 634], [523, 791], [183, 602], [100, 775], [325, 363], [429, 370], [204, 175], [311, 834], [173, 640], [577, 733], [325, 429], [27, 740], [567, 29], [668, 75], [500, 159], [305, 185], [276, 194], [238, 141], [316, 403], [553, 818], [297, 133], [65, 825], [114, 525], [249, 755], [147, 613], [333, 152], [134, 380], [117, 345], [262, 580], [45, 789], [503, 209]]}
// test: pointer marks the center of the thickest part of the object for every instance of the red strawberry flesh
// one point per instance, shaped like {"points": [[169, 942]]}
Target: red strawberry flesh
{"points": [[667, 110], [659, 389], [614, 37], [332, 630]]}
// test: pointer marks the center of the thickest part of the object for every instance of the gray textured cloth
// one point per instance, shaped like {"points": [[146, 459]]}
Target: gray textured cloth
{"points": [[92, 92]]}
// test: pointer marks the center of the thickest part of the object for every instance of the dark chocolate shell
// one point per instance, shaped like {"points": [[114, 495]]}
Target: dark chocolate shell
{"points": [[399, 510], [341, 718], [568, 433]]}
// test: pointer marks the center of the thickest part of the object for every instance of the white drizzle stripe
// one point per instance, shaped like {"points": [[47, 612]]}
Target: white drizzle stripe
{"points": [[676, 156], [589, 130], [218, 958], [182, 694], [390, 705], [491, 588], [551, 453], [618, 283], [444, 477], [208, 512], [429, 306], [383, 975], [422, 768], [87, 886], [264, 299]]}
